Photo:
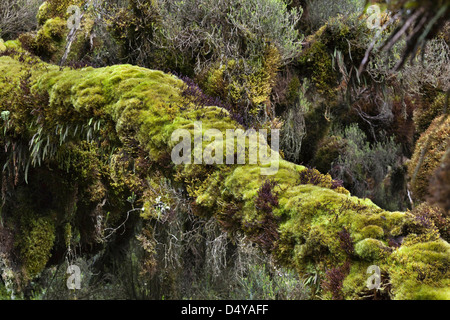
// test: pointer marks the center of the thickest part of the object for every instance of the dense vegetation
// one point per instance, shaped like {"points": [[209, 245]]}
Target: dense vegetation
{"points": [[87, 114]]}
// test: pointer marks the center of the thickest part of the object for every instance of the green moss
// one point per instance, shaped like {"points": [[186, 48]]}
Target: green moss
{"points": [[43, 13], [356, 281], [328, 152], [2, 45], [50, 38], [245, 83], [317, 62], [56, 9], [292, 91], [424, 114]]}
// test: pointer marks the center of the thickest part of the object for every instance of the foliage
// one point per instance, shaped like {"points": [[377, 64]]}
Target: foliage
{"points": [[36, 242], [425, 19], [328, 152], [346, 241], [294, 128]]}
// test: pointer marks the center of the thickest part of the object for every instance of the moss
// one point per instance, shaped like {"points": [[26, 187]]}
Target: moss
{"points": [[56, 9], [420, 271], [38, 237], [440, 188], [43, 13], [245, 83], [317, 62], [2, 45], [144, 107], [356, 281], [371, 249], [292, 91], [435, 140], [424, 114], [50, 39]]}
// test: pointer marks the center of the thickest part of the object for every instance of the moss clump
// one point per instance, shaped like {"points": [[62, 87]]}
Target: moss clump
{"points": [[43, 13], [328, 152], [37, 239], [49, 41], [420, 271], [347, 35], [371, 249], [375, 232], [2, 45], [440, 187], [434, 141], [50, 38], [247, 84], [432, 220]]}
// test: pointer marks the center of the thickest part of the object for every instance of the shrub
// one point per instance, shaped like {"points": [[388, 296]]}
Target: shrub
{"points": [[204, 28], [294, 128], [328, 152], [247, 84], [320, 11], [17, 16], [134, 28], [361, 166]]}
